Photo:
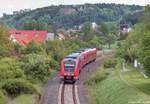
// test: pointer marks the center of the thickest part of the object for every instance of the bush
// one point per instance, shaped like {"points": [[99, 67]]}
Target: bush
{"points": [[3, 52], [2, 98], [54, 64], [10, 68], [97, 77], [57, 49], [17, 47], [4, 38], [95, 42], [36, 67], [146, 64], [144, 53], [111, 63], [15, 87], [32, 47]]}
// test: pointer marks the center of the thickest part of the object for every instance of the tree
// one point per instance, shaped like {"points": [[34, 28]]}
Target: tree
{"points": [[32, 47], [5, 45], [144, 53], [111, 38], [137, 43], [104, 29], [37, 25], [106, 36], [88, 34], [144, 44], [36, 67], [4, 37]]}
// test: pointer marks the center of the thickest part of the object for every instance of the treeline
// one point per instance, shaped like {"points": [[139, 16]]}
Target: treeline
{"points": [[137, 43], [68, 16]]}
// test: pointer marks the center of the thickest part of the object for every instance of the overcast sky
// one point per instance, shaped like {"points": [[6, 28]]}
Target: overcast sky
{"points": [[8, 6]]}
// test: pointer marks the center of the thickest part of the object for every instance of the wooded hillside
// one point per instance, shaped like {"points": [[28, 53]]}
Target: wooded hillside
{"points": [[67, 16]]}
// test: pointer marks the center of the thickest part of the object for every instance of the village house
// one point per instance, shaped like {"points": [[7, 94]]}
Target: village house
{"points": [[60, 36], [23, 37]]}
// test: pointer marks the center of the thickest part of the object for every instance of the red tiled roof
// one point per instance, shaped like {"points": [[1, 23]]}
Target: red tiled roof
{"points": [[26, 36]]}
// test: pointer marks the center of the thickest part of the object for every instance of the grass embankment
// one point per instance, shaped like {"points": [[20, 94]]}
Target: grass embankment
{"points": [[107, 87], [2, 98], [134, 78], [24, 99]]}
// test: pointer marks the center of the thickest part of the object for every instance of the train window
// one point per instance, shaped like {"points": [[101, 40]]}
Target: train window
{"points": [[69, 68], [69, 65]]}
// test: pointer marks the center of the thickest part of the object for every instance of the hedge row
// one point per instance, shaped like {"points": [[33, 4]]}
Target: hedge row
{"points": [[15, 87]]}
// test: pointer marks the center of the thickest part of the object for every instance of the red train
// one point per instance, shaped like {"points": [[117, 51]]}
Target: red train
{"points": [[73, 63]]}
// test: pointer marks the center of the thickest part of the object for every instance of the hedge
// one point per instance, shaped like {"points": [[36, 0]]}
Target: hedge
{"points": [[111, 63], [15, 87]]}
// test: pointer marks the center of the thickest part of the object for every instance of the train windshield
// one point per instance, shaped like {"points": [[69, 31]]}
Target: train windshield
{"points": [[69, 65]]}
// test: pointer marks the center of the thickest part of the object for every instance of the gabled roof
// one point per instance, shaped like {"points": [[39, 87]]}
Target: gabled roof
{"points": [[23, 37]]}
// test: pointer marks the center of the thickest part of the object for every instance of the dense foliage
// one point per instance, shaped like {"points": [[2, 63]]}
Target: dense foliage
{"points": [[37, 25], [2, 98], [136, 45], [111, 63], [10, 69], [67, 16], [36, 67], [15, 87], [4, 41]]}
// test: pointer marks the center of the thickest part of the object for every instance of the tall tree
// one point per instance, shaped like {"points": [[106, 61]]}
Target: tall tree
{"points": [[144, 45], [88, 34], [37, 25], [137, 43], [4, 37]]}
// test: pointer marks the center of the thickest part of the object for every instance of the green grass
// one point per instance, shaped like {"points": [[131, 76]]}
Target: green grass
{"points": [[24, 99], [2, 98], [111, 89], [136, 79]]}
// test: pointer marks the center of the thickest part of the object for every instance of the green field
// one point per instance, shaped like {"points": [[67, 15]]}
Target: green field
{"points": [[108, 86]]}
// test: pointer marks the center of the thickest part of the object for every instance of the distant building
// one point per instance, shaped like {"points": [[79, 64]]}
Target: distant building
{"points": [[50, 36], [23, 37], [94, 26], [124, 28], [60, 36], [69, 31]]}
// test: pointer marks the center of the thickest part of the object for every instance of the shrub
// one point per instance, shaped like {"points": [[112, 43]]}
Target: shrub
{"points": [[54, 64], [10, 68], [32, 47], [95, 42], [57, 49], [146, 64], [97, 77], [17, 47], [36, 67], [110, 63], [144, 52], [15, 87], [3, 51], [4, 38], [2, 98]]}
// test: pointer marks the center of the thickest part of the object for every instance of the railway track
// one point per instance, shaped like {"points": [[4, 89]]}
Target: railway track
{"points": [[68, 94]]}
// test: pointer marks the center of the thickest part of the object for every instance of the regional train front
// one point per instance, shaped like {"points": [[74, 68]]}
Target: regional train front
{"points": [[69, 68]]}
